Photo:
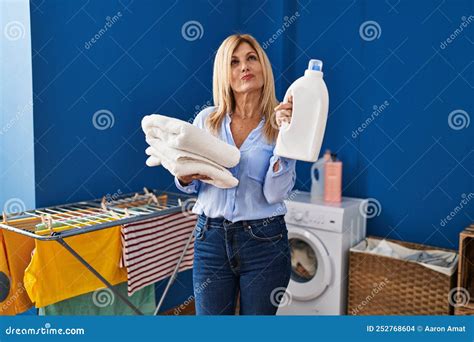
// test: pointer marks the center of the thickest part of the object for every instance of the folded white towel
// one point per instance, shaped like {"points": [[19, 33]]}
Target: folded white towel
{"points": [[181, 163], [185, 136]]}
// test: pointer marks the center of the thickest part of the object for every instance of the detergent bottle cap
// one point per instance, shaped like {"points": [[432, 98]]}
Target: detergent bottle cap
{"points": [[315, 64]]}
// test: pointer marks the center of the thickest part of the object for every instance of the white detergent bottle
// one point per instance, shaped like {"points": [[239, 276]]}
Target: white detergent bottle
{"points": [[302, 138]]}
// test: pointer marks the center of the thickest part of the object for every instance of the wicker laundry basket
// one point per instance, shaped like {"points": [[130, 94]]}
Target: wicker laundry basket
{"points": [[382, 285], [464, 301]]}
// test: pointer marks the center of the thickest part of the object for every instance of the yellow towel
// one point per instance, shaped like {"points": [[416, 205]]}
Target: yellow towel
{"points": [[15, 254], [54, 274]]}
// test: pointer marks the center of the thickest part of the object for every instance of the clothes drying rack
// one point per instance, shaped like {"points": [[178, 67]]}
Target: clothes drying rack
{"points": [[89, 216]]}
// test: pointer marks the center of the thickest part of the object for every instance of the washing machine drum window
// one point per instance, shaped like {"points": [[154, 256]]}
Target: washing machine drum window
{"points": [[304, 263], [311, 266]]}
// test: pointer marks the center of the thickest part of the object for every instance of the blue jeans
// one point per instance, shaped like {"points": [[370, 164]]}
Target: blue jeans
{"points": [[251, 257]]}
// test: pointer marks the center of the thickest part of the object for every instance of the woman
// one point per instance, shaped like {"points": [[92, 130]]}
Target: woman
{"points": [[241, 243]]}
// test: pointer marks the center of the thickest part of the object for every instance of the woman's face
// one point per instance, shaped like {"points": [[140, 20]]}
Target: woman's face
{"points": [[246, 69]]}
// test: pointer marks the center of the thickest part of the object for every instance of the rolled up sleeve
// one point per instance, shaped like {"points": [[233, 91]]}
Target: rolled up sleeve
{"points": [[279, 183], [190, 188]]}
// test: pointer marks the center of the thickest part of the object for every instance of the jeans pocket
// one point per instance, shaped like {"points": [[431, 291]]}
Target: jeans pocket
{"points": [[271, 233]]}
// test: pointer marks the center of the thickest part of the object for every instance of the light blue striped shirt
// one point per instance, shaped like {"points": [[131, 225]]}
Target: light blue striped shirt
{"points": [[260, 192]]}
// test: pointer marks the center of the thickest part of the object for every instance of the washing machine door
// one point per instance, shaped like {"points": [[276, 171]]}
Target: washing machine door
{"points": [[311, 268]]}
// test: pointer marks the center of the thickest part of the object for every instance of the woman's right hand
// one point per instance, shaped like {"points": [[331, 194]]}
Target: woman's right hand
{"points": [[284, 111], [186, 180]]}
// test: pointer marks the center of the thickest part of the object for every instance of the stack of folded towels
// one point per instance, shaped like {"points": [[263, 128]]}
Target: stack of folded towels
{"points": [[184, 149]]}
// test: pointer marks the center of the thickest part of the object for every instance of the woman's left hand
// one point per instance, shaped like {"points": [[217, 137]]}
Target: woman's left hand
{"points": [[283, 112]]}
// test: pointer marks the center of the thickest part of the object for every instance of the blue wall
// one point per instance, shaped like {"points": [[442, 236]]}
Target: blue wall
{"points": [[409, 158]]}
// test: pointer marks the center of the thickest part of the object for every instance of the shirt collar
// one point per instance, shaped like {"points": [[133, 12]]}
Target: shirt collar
{"points": [[228, 119]]}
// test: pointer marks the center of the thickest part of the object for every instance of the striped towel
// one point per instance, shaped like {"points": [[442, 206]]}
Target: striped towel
{"points": [[151, 248]]}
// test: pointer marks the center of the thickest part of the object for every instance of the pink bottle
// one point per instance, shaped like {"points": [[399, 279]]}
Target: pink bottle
{"points": [[333, 180]]}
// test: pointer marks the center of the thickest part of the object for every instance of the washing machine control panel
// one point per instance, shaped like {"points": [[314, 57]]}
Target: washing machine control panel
{"points": [[312, 216], [306, 218]]}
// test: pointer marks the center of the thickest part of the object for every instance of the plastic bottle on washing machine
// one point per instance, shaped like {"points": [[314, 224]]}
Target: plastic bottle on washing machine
{"points": [[317, 183], [302, 138]]}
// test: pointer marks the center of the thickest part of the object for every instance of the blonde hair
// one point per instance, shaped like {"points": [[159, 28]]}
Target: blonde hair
{"points": [[222, 92]]}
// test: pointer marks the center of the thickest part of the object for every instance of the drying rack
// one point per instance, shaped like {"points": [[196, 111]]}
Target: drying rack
{"points": [[89, 216]]}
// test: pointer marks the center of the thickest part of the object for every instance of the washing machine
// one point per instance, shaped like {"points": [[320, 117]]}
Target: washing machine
{"points": [[320, 236]]}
